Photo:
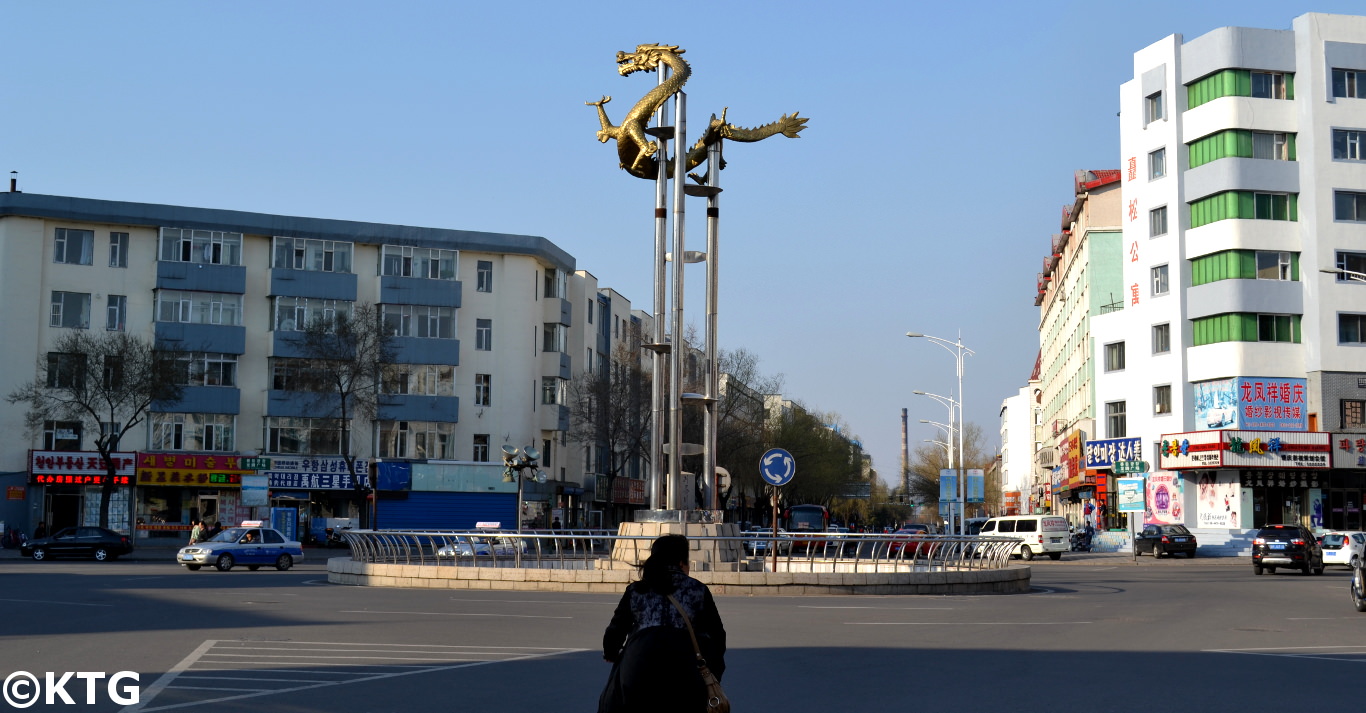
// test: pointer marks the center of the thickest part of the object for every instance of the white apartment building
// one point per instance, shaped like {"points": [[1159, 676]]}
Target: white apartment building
{"points": [[486, 328], [1080, 281], [1237, 364], [1019, 443]]}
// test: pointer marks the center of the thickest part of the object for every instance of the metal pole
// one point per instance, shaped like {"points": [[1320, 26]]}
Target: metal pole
{"points": [[962, 455], [658, 358], [675, 479], [713, 297]]}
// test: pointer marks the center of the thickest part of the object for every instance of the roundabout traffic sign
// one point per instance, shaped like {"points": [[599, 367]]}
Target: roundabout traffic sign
{"points": [[777, 467]]}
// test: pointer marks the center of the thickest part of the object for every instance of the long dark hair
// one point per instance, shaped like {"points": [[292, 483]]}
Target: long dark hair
{"points": [[667, 552]]}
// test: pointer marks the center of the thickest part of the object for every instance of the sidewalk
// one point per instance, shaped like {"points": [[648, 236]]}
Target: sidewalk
{"points": [[1127, 558], [165, 552]]}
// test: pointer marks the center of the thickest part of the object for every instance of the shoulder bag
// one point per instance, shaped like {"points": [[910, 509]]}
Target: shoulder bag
{"points": [[716, 697]]}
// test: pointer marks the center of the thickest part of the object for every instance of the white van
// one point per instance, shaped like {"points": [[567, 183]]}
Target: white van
{"points": [[1038, 534]]}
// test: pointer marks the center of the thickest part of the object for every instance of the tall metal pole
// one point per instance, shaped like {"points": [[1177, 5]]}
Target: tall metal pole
{"points": [[658, 357], [713, 283], [675, 480], [962, 455]]}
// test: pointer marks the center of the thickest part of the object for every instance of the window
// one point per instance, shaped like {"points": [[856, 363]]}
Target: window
{"points": [[199, 307], [1273, 266], [554, 283], [1271, 206], [1268, 85], [1348, 205], [118, 250], [64, 370], [1274, 328], [1351, 329], [1347, 144], [484, 273], [1162, 338], [61, 435], [305, 436], [416, 439], [211, 369], [481, 448], [205, 247], [483, 389], [552, 337], [419, 379], [295, 314], [73, 247], [1157, 222], [113, 373], [1153, 108], [550, 390], [312, 255], [1159, 280], [1162, 399], [292, 374], [588, 361], [1353, 413], [1349, 83], [1114, 356], [1116, 422], [421, 321], [1270, 145], [193, 432], [483, 335], [70, 310], [428, 263], [1352, 263], [116, 313], [1157, 164]]}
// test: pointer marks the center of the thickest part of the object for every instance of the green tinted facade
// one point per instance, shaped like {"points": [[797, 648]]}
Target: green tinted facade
{"points": [[1228, 83], [1244, 204], [1233, 143], [1233, 265], [1244, 327]]}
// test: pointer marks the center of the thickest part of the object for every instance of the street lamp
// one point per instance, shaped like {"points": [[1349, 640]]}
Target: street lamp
{"points": [[959, 351], [514, 462], [1349, 274]]}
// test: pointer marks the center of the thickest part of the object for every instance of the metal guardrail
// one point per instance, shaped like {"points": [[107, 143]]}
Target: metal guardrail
{"points": [[579, 549]]}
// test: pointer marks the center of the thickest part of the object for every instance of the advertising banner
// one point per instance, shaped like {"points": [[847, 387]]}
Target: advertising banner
{"points": [[255, 491], [977, 485], [1129, 493], [1245, 449], [1103, 454], [1217, 499], [1349, 450], [1252, 403], [1164, 493], [315, 472]]}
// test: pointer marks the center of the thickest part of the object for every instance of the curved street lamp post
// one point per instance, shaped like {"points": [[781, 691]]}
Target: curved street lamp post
{"points": [[959, 351]]}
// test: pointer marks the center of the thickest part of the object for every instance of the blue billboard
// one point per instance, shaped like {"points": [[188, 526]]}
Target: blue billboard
{"points": [[1251, 403]]}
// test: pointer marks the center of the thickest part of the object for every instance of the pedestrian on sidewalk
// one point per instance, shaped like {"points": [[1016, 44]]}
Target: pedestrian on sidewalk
{"points": [[654, 663], [196, 532]]}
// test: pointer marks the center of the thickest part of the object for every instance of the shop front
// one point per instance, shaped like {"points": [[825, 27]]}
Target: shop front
{"points": [[175, 489], [1346, 490], [1102, 460], [1243, 479], [318, 489], [70, 486]]}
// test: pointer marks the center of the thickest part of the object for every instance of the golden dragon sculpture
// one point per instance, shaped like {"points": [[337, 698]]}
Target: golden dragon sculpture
{"points": [[636, 151]]}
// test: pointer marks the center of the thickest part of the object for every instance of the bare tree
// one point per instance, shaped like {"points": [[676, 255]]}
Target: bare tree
{"points": [[105, 381], [929, 459], [343, 361], [609, 412]]}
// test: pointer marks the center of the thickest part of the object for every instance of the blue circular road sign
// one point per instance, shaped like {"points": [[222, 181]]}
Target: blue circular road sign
{"points": [[777, 467]]}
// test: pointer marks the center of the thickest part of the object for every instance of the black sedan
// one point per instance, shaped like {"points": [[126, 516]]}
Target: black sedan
{"points": [[1164, 539], [1286, 546], [94, 542]]}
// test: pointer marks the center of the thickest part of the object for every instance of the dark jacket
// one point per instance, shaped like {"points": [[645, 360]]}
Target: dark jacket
{"points": [[655, 667]]}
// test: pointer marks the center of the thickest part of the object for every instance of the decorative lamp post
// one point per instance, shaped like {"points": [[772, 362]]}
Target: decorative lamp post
{"points": [[514, 462], [959, 351]]}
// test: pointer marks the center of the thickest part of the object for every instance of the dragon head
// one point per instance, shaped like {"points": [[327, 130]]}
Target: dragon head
{"points": [[645, 59]]}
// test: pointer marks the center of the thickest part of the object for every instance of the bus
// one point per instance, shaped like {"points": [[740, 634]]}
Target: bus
{"points": [[803, 519]]}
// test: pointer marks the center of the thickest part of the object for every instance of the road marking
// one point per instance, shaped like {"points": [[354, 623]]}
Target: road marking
{"points": [[1347, 654], [49, 601], [209, 663], [963, 623], [810, 606], [445, 613]]}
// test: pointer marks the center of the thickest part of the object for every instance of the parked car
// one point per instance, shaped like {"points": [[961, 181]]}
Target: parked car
{"points": [[1157, 540], [479, 547], [1037, 534], [759, 545], [1286, 546], [249, 544], [97, 543], [1345, 548]]}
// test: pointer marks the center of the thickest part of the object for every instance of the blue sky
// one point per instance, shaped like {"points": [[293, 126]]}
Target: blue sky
{"points": [[921, 197]]}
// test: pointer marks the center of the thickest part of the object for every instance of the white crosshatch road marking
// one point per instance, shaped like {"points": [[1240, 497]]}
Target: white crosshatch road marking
{"points": [[1348, 654], [219, 670]]}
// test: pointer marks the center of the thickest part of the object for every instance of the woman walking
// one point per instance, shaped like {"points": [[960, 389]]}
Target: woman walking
{"points": [[654, 663]]}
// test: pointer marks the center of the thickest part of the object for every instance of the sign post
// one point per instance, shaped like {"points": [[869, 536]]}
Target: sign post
{"points": [[1130, 492], [776, 467]]}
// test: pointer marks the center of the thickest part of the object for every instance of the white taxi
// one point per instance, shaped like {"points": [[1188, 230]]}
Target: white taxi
{"points": [[248, 544]]}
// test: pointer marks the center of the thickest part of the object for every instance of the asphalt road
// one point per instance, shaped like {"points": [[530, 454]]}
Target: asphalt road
{"points": [[1097, 634]]}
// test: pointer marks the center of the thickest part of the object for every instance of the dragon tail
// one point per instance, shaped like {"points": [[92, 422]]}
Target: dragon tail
{"points": [[790, 125]]}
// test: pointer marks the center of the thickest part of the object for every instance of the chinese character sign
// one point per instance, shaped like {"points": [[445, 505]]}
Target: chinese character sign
{"points": [[1103, 454], [1252, 403]]}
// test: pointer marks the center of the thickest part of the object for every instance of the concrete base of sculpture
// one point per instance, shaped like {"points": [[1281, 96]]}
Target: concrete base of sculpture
{"points": [[708, 555]]}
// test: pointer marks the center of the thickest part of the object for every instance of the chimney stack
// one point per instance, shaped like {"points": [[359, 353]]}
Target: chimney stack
{"points": [[13, 181]]}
